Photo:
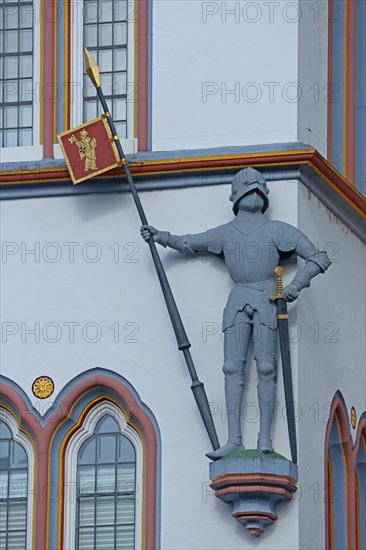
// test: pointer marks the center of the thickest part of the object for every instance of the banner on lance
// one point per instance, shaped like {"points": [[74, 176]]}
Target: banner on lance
{"points": [[89, 149]]}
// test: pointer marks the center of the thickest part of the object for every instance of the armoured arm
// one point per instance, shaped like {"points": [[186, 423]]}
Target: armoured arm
{"points": [[200, 242], [316, 262]]}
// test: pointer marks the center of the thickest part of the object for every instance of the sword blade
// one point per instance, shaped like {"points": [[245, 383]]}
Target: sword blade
{"points": [[287, 374]]}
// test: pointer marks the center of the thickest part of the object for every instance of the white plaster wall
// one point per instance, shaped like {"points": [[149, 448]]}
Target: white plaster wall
{"points": [[314, 90], [331, 353], [201, 51], [108, 292]]}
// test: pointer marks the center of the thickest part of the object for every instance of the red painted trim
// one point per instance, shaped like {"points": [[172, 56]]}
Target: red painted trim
{"points": [[43, 437], [338, 409], [143, 74], [249, 479], [350, 106], [239, 489], [271, 518], [330, 62], [49, 85], [312, 158]]}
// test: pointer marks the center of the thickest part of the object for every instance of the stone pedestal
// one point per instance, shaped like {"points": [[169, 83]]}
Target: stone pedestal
{"points": [[254, 482]]}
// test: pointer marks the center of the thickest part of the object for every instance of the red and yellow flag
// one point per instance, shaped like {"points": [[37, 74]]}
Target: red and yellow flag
{"points": [[89, 149]]}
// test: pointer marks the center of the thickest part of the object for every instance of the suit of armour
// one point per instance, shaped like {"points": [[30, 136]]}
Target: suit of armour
{"points": [[251, 246]]}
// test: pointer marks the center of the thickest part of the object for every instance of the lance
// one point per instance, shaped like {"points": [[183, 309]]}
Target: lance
{"points": [[197, 386], [282, 317]]}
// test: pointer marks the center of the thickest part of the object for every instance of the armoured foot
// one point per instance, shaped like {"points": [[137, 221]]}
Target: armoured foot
{"points": [[264, 444], [229, 447]]}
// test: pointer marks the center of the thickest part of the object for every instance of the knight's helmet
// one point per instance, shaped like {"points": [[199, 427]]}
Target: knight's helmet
{"points": [[245, 181]]}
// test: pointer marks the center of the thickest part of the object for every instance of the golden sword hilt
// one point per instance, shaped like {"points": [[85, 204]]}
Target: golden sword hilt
{"points": [[278, 271]]}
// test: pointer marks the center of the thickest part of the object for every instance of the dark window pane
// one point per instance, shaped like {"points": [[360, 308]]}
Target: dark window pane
{"points": [[5, 433], [25, 137], [3, 514], [125, 477], [125, 509], [105, 538], [86, 539], [105, 11], [19, 457], [16, 540], [106, 479], [125, 537], [86, 480], [17, 516], [86, 511], [107, 448], [18, 484], [107, 424], [105, 511], [87, 452], [126, 452], [4, 454]]}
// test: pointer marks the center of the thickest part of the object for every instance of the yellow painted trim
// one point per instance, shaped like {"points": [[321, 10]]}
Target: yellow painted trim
{"points": [[224, 157], [90, 405], [183, 161], [335, 188]]}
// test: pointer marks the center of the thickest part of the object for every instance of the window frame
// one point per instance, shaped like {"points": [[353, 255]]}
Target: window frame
{"points": [[23, 440], [35, 151], [129, 145], [71, 454]]}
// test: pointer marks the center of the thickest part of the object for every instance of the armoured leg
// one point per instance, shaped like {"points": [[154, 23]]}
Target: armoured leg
{"points": [[234, 367], [266, 400], [264, 350]]}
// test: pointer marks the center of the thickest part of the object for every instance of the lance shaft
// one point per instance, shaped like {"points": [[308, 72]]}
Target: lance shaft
{"points": [[180, 333]]}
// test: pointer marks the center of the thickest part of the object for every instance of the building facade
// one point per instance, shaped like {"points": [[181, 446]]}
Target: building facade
{"points": [[100, 433]]}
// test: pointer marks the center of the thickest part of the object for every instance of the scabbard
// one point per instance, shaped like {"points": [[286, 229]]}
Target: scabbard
{"points": [[282, 317]]}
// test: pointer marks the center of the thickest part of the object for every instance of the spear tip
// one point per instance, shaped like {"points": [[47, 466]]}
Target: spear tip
{"points": [[92, 69]]}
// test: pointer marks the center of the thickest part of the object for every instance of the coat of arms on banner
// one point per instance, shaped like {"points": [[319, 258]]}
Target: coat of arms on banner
{"points": [[89, 149]]}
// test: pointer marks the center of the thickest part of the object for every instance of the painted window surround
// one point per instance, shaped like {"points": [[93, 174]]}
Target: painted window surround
{"points": [[35, 151], [21, 438], [51, 433], [77, 68], [44, 120], [346, 75], [349, 454], [72, 450]]}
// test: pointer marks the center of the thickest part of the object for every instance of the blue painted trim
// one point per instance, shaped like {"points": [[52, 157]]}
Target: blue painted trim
{"points": [[150, 75], [360, 96], [337, 61]]}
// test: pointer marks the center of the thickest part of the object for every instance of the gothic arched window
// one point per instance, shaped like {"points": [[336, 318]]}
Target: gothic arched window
{"points": [[106, 489], [103, 503]]}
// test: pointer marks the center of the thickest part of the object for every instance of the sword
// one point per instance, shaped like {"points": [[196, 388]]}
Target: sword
{"points": [[197, 386], [282, 317]]}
